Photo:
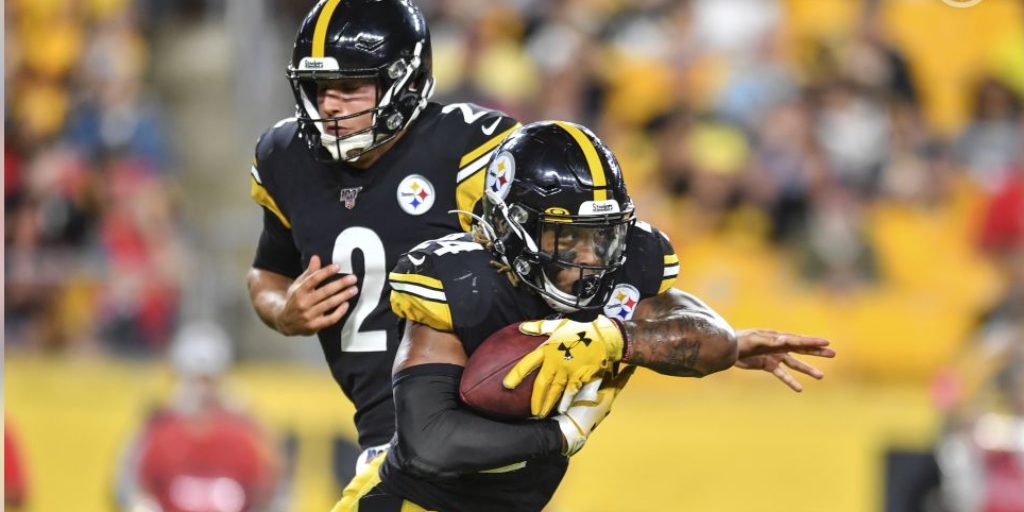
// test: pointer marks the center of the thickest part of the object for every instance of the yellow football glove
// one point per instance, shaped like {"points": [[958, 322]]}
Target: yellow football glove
{"points": [[574, 354], [592, 405]]}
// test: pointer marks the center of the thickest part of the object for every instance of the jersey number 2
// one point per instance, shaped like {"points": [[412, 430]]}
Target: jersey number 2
{"points": [[370, 287]]}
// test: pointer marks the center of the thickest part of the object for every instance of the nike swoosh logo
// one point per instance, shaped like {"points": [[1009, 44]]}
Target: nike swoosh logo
{"points": [[488, 130], [416, 261]]}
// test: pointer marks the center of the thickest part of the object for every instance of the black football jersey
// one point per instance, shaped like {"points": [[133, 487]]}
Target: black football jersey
{"points": [[364, 220], [450, 285]]}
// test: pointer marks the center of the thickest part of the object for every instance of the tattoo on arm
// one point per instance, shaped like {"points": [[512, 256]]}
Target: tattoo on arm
{"points": [[675, 334]]}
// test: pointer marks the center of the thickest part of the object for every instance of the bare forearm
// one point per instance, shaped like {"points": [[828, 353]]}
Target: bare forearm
{"points": [[676, 334], [268, 292]]}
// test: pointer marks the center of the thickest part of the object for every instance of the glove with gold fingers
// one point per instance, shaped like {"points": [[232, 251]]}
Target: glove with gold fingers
{"points": [[574, 354]]}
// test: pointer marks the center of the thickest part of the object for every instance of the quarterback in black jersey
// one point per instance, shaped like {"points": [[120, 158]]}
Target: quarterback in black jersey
{"points": [[558, 248], [367, 169]]}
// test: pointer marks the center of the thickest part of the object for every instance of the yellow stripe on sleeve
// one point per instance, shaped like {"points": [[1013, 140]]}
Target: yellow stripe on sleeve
{"points": [[419, 279], [320, 32], [666, 284], [262, 197], [593, 162], [485, 147], [671, 259], [467, 194], [418, 309]]}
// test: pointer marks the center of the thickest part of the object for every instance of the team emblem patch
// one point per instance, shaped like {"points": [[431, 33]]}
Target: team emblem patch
{"points": [[415, 194], [622, 303], [500, 174]]}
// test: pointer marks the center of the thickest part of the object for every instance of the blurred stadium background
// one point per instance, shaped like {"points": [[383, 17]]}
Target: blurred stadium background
{"points": [[844, 168]]}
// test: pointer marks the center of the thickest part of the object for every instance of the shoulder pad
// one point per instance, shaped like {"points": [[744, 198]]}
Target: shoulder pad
{"points": [[484, 129], [426, 285], [656, 256], [279, 136], [276, 137]]}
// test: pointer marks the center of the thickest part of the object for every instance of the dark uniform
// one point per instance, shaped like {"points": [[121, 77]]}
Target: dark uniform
{"points": [[363, 220], [450, 285]]}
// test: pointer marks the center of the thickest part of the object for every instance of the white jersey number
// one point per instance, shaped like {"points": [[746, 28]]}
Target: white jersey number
{"points": [[448, 244], [371, 287]]}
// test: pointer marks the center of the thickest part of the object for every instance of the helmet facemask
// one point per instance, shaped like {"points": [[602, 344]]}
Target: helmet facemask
{"points": [[568, 259], [403, 88]]}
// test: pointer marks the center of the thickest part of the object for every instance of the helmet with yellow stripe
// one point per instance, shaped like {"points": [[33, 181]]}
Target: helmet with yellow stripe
{"points": [[386, 41], [556, 211]]}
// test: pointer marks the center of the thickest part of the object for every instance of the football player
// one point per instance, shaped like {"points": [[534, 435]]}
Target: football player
{"points": [[367, 168], [557, 248]]}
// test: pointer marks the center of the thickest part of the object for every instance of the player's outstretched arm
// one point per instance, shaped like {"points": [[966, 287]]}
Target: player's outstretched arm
{"points": [[674, 333], [772, 351], [304, 305]]}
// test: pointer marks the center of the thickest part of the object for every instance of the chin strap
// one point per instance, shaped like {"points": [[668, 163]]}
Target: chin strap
{"points": [[340, 149]]}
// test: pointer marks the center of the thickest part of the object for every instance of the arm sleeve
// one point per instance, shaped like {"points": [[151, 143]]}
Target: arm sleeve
{"points": [[438, 438], [276, 250]]}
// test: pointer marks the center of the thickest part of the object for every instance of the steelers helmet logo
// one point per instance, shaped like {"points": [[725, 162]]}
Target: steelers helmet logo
{"points": [[500, 174], [416, 194], [622, 303]]}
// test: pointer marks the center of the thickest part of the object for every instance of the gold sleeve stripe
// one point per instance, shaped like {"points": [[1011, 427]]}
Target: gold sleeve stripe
{"points": [[467, 193], [486, 146], [666, 284], [418, 309], [419, 291], [473, 168], [419, 279], [671, 259], [593, 162], [320, 32], [261, 196]]}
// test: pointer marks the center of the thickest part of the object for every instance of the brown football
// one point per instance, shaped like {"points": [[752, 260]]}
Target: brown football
{"points": [[481, 387]]}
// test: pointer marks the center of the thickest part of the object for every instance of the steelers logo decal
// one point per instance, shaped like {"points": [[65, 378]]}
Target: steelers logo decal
{"points": [[622, 303], [415, 194], [500, 174]]}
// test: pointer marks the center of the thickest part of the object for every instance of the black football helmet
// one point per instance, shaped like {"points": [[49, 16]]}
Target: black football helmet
{"points": [[554, 201], [383, 40]]}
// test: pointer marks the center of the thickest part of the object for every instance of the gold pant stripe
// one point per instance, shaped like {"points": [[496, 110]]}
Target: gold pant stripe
{"points": [[362, 484]]}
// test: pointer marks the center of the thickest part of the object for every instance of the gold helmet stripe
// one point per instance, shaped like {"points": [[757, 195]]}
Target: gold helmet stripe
{"points": [[320, 33], [593, 162]]}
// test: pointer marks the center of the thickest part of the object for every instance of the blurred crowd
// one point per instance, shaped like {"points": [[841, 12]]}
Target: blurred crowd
{"points": [[93, 245]]}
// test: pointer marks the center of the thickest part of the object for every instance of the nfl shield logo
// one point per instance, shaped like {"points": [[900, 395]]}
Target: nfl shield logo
{"points": [[348, 196]]}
